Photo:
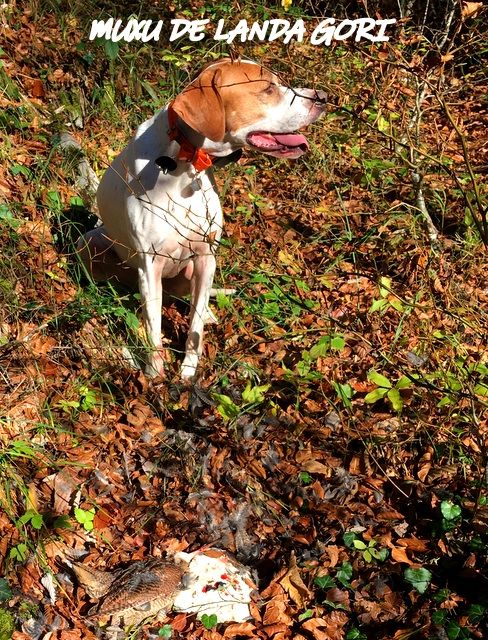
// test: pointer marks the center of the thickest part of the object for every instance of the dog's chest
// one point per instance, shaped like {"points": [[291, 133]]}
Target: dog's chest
{"points": [[185, 210]]}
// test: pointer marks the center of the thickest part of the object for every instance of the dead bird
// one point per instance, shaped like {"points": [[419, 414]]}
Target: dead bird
{"points": [[129, 595]]}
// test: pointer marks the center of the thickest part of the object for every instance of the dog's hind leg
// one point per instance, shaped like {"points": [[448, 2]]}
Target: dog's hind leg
{"points": [[101, 260]]}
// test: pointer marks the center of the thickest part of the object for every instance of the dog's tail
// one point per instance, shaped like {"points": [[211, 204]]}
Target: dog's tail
{"points": [[86, 180]]}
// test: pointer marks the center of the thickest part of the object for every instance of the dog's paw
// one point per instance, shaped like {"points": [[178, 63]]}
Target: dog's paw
{"points": [[189, 367], [208, 317], [156, 365]]}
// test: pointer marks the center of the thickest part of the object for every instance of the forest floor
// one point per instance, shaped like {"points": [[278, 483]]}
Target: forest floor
{"points": [[335, 440]]}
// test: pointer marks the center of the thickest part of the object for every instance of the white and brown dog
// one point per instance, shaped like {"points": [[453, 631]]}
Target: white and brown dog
{"points": [[162, 219]]}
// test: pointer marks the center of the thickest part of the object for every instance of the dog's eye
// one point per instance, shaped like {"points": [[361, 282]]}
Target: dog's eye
{"points": [[270, 89]]}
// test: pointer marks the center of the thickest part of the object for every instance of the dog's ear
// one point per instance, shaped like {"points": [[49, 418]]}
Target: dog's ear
{"points": [[200, 105]]}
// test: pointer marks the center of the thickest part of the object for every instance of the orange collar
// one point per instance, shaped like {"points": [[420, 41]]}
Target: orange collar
{"points": [[199, 158]]}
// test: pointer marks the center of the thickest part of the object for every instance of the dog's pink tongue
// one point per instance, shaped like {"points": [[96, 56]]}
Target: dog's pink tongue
{"points": [[291, 139], [270, 141]]}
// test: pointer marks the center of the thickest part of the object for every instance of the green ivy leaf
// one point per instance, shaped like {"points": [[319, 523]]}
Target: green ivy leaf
{"points": [[344, 574], [324, 582], [111, 49], [5, 590], [453, 630], [349, 537], [419, 578], [359, 544], [209, 621], [476, 613], [449, 510], [355, 634]]}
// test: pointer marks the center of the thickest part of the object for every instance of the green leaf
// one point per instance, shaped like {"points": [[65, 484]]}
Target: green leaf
{"points": [[254, 395], [324, 582], [5, 590], [334, 605], [321, 348], [404, 383], [378, 305], [481, 389], [131, 320], [397, 305], [21, 448], [344, 574], [76, 201], [37, 521], [19, 552], [305, 615], [383, 125], [379, 379], [15, 169], [395, 398], [359, 544], [385, 286], [24, 519], [349, 537], [419, 578], [85, 517], [111, 49], [453, 630], [55, 200], [209, 621], [374, 396], [367, 555], [223, 301], [355, 634], [337, 343], [344, 392], [166, 631], [439, 616], [382, 554], [476, 613], [446, 400], [226, 407], [305, 477], [449, 510]]}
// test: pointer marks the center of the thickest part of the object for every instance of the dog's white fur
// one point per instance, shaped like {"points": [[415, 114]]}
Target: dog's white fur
{"points": [[162, 229]]}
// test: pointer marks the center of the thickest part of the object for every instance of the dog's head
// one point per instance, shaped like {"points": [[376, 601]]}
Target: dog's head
{"points": [[243, 104]]}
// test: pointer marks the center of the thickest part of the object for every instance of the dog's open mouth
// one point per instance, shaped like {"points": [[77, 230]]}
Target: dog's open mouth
{"points": [[280, 145]]}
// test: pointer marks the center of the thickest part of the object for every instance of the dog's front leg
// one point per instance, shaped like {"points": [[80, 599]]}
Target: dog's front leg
{"points": [[201, 284], [151, 289]]}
